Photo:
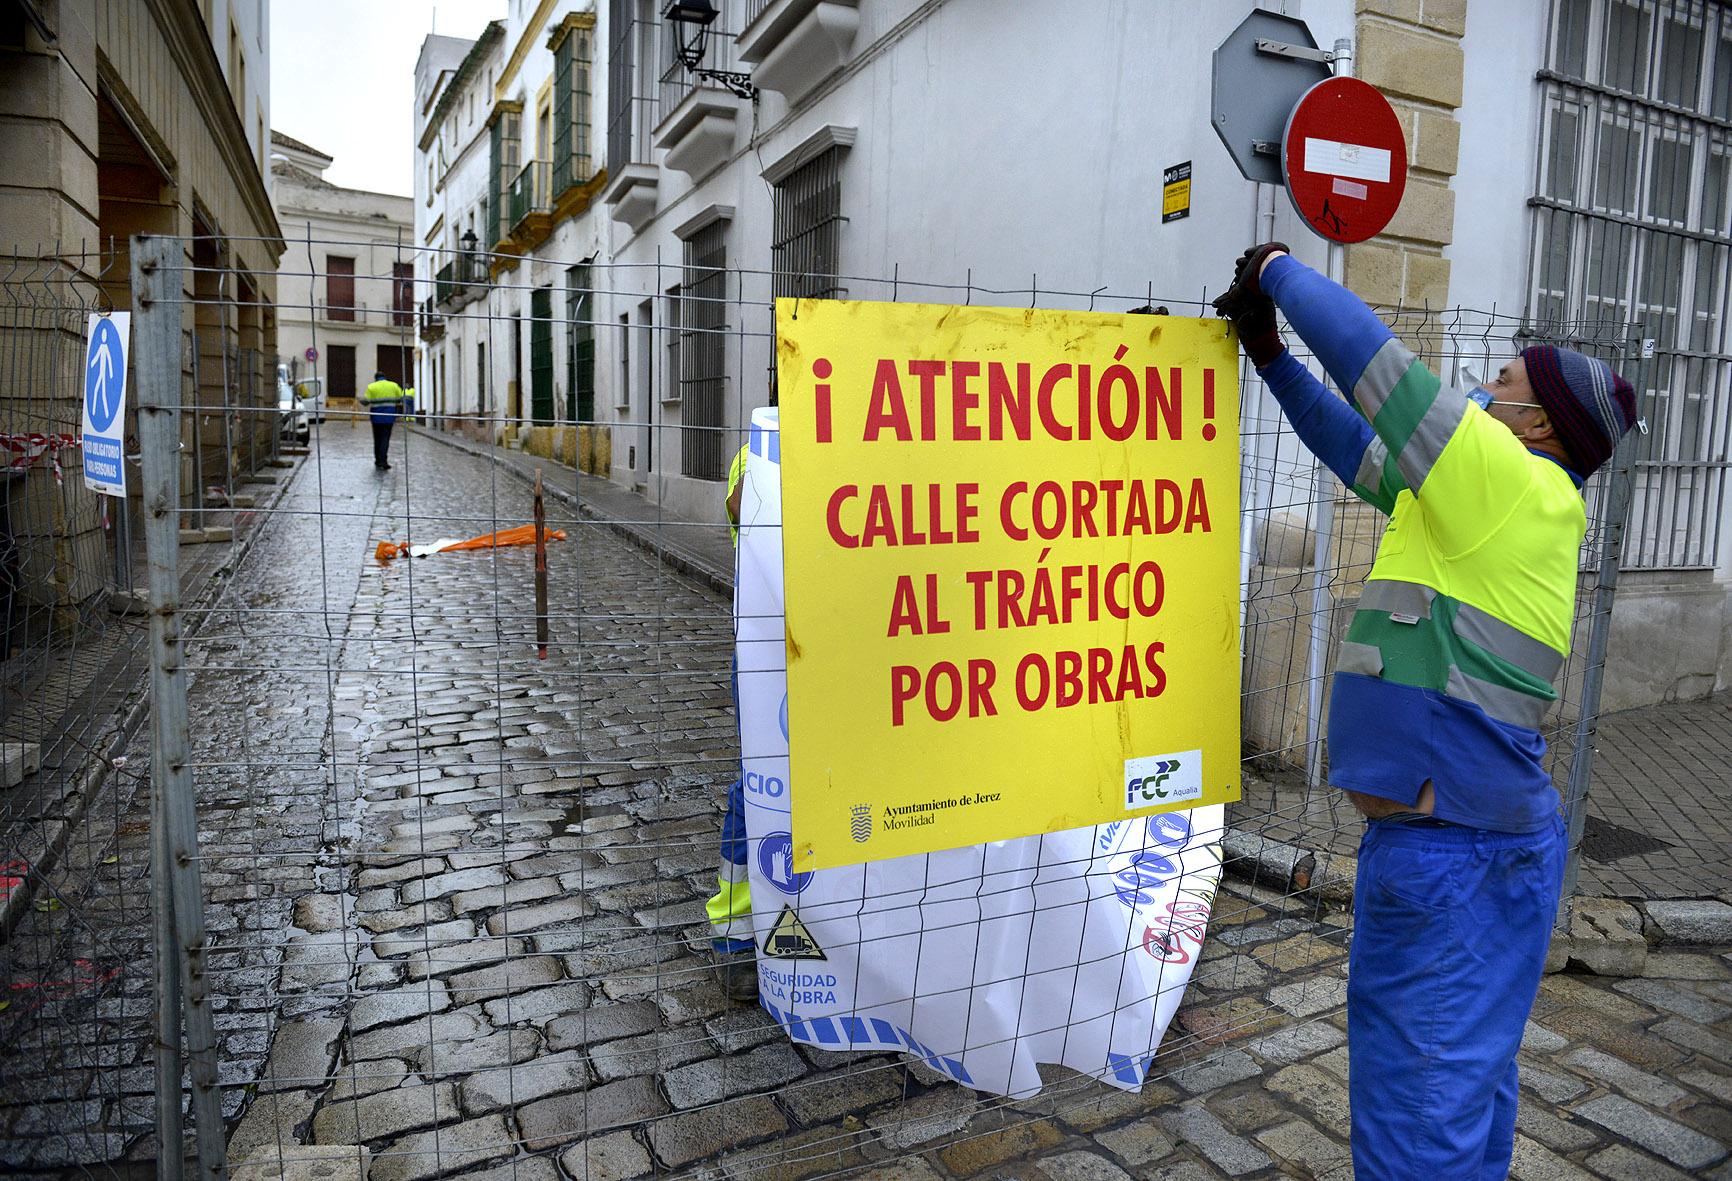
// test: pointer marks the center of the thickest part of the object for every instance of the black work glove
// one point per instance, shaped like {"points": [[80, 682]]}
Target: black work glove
{"points": [[1252, 312]]}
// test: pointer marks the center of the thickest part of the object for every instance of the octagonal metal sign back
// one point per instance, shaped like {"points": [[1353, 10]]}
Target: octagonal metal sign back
{"points": [[1260, 71]]}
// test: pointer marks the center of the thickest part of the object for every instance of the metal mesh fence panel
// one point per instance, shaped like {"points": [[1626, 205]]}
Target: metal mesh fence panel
{"points": [[455, 873], [77, 1001]]}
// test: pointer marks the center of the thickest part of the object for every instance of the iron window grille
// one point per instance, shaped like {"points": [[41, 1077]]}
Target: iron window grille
{"points": [[633, 54], [1630, 224], [572, 164], [806, 231], [579, 345], [702, 360], [504, 150]]}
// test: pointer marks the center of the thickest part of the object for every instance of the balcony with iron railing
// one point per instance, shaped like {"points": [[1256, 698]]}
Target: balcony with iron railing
{"points": [[432, 322], [346, 311], [791, 46], [698, 96], [532, 200], [459, 281]]}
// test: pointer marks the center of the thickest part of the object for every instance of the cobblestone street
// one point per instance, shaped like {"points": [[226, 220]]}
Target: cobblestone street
{"points": [[456, 907]]}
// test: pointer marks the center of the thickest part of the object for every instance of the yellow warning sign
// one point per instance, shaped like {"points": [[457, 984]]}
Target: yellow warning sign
{"points": [[1010, 543], [1176, 192], [790, 940]]}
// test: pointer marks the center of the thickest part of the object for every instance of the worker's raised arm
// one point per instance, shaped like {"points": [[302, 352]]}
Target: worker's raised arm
{"points": [[1412, 412], [1333, 432], [1329, 427]]}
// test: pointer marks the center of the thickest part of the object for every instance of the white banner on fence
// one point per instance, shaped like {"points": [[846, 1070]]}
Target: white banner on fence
{"points": [[1071, 948]]}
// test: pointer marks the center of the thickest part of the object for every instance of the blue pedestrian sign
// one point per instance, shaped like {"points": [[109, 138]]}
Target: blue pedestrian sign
{"points": [[104, 437]]}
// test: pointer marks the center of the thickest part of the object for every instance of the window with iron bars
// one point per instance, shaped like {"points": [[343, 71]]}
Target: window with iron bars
{"points": [[579, 345], [504, 148], [1631, 227], [703, 373], [619, 86], [672, 319], [753, 10], [402, 295], [806, 230], [572, 164]]}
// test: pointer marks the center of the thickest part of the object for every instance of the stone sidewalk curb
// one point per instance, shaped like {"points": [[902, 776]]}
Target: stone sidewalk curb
{"points": [[123, 724], [1605, 936]]}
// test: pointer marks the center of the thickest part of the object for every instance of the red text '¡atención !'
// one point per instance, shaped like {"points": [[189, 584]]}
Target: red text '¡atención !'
{"points": [[1066, 402]]}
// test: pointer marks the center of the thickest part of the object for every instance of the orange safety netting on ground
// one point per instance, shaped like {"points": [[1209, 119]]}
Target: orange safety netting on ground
{"points": [[521, 535]]}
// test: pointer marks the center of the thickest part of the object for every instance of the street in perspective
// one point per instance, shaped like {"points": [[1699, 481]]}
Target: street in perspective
{"points": [[899, 589]]}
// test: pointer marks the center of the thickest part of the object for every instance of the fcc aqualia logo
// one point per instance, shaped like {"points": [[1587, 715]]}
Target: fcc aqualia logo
{"points": [[1163, 779]]}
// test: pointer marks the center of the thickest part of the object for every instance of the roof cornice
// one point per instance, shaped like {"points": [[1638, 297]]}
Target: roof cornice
{"points": [[189, 41], [492, 35]]}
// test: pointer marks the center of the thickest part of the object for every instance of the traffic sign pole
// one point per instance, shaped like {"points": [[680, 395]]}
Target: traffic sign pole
{"points": [[1317, 654]]}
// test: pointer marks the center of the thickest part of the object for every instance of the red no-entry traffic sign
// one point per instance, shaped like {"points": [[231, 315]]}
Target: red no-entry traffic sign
{"points": [[1344, 159]]}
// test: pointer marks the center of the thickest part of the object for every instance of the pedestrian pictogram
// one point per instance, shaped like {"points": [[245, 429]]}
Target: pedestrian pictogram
{"points": [[790, 940], [1344, 160], [105, 403]]}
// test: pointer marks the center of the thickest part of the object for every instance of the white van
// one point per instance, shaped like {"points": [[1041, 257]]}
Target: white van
{"points": [[291, 419]]}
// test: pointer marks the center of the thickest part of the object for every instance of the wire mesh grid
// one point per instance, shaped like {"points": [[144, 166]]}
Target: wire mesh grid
{"points": [[455, 889], [75, 942]]}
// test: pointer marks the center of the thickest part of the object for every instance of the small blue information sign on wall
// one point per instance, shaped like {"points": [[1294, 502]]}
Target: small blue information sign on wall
{"points": [[104, 436]]}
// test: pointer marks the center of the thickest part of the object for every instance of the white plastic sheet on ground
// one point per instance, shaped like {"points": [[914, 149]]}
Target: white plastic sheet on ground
{"points": [[1072, 948]]}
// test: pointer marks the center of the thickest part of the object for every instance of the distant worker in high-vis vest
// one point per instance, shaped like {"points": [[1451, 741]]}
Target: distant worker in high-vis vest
{"points": [[1447, 670], [730, 909], [384, 403]]}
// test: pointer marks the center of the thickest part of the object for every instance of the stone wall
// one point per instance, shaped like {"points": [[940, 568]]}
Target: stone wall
{"points": [[1411, 51]]}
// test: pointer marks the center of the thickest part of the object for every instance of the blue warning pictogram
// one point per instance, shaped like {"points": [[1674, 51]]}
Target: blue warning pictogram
{"points": [[104, 375]]}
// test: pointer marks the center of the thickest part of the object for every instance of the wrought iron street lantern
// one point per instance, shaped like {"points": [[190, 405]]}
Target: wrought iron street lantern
{"points": [[689, 21]]}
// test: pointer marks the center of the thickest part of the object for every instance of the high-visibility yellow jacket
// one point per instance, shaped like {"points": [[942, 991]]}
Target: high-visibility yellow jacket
{"points": [[384, 399], [1448, 666]]}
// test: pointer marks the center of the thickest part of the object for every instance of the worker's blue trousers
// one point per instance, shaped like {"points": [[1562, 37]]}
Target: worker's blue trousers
{"points": [[730, 907], [1450, 930]]}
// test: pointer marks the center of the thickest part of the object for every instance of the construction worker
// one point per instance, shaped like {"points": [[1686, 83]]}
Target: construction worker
{"points": [[384, 404], [730, 909], [1443, 679]]}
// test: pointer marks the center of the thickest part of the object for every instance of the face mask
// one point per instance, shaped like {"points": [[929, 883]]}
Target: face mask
{"points": [[1467, 382]]}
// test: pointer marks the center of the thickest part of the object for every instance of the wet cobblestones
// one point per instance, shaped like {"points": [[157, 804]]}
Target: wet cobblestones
{"points": [[455, 903]]}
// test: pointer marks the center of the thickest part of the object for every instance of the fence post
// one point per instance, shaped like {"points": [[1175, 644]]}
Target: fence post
{"points": [[1614, 511], [540, 570], [175, 876], [197, 437]]}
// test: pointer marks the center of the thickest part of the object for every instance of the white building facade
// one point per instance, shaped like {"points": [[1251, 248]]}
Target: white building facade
{"points": [[506, 181], [1567, 182], [345, 287]]}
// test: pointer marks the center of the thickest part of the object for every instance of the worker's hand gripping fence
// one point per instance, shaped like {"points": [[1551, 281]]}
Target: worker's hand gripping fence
{"points": [[454, 892]]}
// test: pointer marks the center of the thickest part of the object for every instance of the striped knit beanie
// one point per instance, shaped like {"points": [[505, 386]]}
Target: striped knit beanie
{"points": [[1590, 406]]}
